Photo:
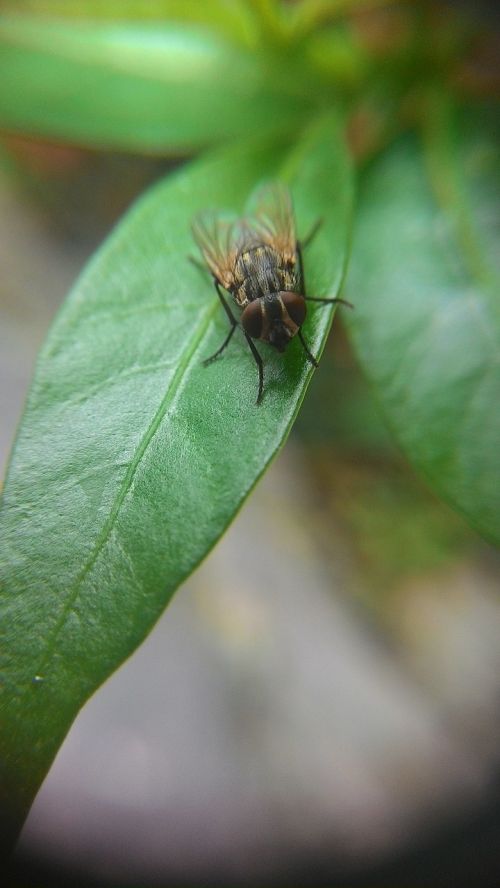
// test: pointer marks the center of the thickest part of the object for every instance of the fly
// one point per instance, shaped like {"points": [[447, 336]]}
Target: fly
{"points": [[258, 260]]}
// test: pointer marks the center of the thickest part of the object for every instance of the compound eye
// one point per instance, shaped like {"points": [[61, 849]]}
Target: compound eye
{"points": [[296, 307], [252, 319]]}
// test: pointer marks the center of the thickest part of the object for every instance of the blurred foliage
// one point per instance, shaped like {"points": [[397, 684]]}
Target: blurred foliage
{"points": [[394, 526]]}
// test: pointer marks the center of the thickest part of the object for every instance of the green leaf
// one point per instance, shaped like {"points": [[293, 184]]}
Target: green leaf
{"points": [[425, 281], [132, 457], [142, 87], [234, 18]]}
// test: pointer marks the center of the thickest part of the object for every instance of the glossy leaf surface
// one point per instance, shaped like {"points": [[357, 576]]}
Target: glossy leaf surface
{"points": [[425, 278], [132, 457]]}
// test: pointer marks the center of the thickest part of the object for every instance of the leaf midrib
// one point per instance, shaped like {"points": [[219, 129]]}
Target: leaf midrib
{"points": [[126, 484]]}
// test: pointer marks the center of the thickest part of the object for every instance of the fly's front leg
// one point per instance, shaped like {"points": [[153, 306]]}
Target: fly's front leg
{"points": [[260, 366], [257, 358], [198, 264], [312, 234], [221, 348], [308, 352], [301, 245], [232, 321], [329, 301]]}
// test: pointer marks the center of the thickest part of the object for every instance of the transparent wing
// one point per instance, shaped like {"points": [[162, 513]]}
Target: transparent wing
{"points": [[273, 219], [221, 237]]}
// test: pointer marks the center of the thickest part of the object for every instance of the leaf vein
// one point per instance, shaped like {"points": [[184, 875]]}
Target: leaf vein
{"points": [[125, 487]]}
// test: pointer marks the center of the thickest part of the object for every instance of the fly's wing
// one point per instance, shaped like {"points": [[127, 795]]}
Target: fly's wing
{"points": [[220, 239], [273, 220]]}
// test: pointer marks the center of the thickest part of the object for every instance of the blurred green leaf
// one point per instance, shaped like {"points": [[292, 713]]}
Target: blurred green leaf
{"points": [[154, 88], [340, 413], [233, 18], [337, 53], [132, 458], [425, 281]]}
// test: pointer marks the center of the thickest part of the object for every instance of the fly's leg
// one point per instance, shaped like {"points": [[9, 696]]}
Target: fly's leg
{"points": [[312, 234], [305, 346], [329, 301], [198, 263], [324, 302], [258, 361], [222, 298], [232, 321], [221, 349], [301, 245]]}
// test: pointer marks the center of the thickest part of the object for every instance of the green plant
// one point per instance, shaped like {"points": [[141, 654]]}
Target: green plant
{"points": [[131, 458]]}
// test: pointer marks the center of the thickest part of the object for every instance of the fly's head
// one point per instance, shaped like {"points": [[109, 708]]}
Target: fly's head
{"points": [[275, 318]]}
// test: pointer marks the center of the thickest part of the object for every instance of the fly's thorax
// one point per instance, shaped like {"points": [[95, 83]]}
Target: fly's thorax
{"points": [[275, 317], [261, 270]]}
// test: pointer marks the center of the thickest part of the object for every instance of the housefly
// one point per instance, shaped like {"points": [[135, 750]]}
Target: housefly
{"points": [[258, 260]]}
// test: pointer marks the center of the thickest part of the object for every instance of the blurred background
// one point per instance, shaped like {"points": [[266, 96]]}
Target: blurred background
{"points": [[320, 704]]}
